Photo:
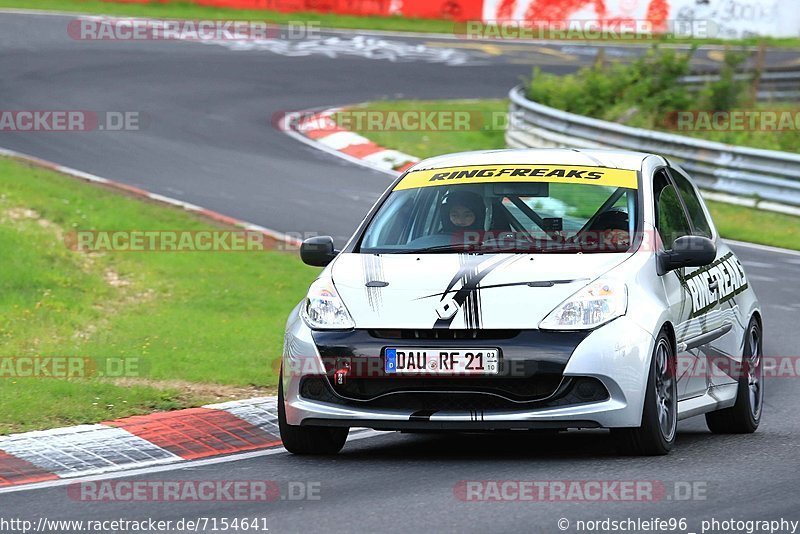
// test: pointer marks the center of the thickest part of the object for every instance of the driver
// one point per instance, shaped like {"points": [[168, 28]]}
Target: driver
{"points": [[463, 210], [463, 214], [611, 229]]}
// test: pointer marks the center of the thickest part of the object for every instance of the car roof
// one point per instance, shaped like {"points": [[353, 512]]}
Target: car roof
{"points": [[616, 159]]}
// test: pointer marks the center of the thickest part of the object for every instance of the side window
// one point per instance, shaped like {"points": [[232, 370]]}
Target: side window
{"points": [[693, 206], [670, 218]]}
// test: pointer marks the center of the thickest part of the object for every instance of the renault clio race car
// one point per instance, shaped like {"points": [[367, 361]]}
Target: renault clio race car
{"points": [[526, 289]]}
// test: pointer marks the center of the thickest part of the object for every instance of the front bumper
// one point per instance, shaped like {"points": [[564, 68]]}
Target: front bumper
{"points": [[550, 371]]}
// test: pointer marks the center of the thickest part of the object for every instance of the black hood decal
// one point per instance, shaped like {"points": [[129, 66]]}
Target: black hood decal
{"points": [[472, 269], [372, 272]]}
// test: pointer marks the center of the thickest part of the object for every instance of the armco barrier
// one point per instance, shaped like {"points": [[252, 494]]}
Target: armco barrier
{"points": [[782, 85], [764, 174]]}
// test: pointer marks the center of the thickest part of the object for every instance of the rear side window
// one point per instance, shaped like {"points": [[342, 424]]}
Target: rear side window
{"points": [[670, 218], [693, 205]]}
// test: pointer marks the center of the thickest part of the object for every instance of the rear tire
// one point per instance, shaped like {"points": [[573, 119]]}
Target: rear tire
{"points": [[308, 440], [656, 435], [744, 416]]}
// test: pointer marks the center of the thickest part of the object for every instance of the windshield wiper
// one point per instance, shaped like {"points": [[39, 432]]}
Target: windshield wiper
{"points": [[440, 248], [475, 249]]}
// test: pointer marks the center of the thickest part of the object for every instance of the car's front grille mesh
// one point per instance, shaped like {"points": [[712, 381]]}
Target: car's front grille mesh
{"points": [[521, 389], [443, 333]]}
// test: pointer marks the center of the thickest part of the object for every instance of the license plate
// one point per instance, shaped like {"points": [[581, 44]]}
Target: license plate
{"points": [[441, 361]]}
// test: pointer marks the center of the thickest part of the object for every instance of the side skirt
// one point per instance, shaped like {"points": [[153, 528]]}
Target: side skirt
{"points": [[716, 398]]}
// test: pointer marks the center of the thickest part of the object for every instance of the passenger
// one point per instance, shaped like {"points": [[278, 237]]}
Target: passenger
{"points": [[610, 230]]}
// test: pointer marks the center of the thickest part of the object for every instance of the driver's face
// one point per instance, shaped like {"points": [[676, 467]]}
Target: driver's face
{"points": [[616, 239], [461, 216]]}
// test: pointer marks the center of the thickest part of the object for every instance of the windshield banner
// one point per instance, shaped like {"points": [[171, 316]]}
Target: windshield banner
{"points": [[481, 174]]}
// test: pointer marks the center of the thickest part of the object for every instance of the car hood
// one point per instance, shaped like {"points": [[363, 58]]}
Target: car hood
{"points": [[458, 291]]}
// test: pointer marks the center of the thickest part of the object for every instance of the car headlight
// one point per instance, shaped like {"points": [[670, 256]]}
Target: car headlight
{"points": [[592, 306], [324, 309]]}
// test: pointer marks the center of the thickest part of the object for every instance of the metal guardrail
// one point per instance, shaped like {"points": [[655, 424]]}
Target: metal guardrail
{"points": [[768, 176], [778, 85]]}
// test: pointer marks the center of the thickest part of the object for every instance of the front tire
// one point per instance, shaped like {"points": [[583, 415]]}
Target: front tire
{"points": [[744, 416], [656, 435], [308, 440]]}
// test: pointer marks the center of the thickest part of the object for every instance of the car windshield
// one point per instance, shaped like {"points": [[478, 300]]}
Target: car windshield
{"points": [[518, 208]]}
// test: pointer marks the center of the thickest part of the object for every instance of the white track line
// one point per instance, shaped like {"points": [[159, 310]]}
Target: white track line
{"points": [[40, 12], [75, 173]]}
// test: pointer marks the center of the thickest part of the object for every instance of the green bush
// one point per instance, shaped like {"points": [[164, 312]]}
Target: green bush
{"points": [[727, 93], [647, 93], [649, 84]]}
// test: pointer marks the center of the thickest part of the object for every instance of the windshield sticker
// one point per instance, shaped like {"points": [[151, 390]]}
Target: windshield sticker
{"points": [[567, 174]]}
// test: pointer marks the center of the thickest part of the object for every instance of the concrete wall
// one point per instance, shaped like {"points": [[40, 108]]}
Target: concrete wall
{"points": [[722, 18]]}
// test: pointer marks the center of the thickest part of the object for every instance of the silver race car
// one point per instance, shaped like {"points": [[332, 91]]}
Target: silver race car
{"points": [[526, 289]]}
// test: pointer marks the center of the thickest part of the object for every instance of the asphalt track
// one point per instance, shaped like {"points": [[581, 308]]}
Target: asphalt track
{"points": [[208, 140]]}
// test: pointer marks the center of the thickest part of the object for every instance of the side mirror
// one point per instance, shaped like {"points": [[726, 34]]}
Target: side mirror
{"points": [[687, 251], [318, 251]]}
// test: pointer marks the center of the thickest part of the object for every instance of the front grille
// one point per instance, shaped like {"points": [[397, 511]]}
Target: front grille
{"points": [[515, 389], [443, 334], [456, 402]]}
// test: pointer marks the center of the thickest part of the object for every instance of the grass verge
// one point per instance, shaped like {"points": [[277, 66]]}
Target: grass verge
{"points": [[203, 326], [186, 10], [733, 222]]}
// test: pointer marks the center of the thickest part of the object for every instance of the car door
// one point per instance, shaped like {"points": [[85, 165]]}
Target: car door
{"points": [[672, 223], [712, 291]]}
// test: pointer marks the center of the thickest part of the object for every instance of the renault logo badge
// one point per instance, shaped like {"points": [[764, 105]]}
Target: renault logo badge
{"points": [[447, 309]]}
